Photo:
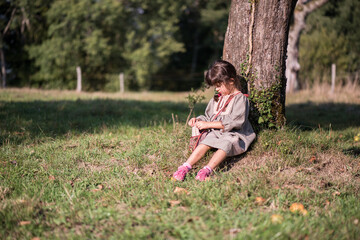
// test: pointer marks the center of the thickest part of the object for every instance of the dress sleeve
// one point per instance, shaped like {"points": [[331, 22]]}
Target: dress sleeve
{"points": [[238, 115], [208, 112]]}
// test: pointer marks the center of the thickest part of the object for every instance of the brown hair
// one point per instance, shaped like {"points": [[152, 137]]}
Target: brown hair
{"points": [[220, 72]]}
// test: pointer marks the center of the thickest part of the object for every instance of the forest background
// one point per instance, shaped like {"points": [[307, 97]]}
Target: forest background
{"points": [[158, 45]]}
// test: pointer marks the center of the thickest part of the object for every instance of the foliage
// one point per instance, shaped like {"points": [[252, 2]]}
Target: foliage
{"points": [[150, 38], [80, 33], [157, 44], [105, 37], [332, 36], [21, 22], [79, 166]]}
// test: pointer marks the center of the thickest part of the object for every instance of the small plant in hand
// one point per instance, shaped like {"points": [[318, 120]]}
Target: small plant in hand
{"points": [[193, 98]]}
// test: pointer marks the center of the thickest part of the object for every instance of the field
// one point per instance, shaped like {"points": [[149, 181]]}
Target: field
{"points": [[98, 166]]}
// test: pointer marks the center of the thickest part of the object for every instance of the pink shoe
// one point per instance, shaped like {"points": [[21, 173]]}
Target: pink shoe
{"points": [[203, 174], [181, 173]]}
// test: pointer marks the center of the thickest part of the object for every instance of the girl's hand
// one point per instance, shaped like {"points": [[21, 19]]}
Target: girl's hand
{"points": [[192, 122], [202, 125]]}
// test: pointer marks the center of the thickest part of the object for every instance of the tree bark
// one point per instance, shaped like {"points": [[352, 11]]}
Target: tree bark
{"points": [[302, 10], [255, 43], [3, 68]]}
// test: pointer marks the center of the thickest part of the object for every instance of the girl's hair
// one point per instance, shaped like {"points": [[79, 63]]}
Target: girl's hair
{"points": [[220, 72]]}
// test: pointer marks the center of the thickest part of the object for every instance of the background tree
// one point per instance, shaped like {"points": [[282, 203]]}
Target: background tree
{"points": [[150, 38], [202, 28], [22, 23], [256, 42], [78, 35], [332, 35], [302, 10]]}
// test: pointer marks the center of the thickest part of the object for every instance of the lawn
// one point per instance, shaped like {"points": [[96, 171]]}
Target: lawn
{"points": [[99, 166]]}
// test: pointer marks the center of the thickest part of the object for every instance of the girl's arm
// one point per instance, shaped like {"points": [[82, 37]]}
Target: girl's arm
{"points": [[206, 125]]}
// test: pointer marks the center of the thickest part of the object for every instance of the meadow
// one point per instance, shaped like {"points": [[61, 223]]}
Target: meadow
{"points": [[99, 166]]}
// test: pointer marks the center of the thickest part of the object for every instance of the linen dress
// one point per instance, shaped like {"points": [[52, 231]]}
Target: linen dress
{"points": [[238, 133]]}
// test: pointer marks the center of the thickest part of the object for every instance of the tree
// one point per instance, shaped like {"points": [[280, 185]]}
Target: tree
{"points": [[302, 10], [255, 43], [14, 17], [332, 35], [106, 37], [150, 38], [80, 33]]}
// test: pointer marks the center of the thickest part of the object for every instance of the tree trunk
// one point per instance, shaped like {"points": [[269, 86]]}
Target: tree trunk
{"points": [[255, 43], [302, 9], [3, 68]]}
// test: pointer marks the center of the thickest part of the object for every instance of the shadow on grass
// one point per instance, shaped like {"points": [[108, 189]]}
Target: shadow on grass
{"points": [[353, 151], [310, 116], [335, 116], [23, 120]]}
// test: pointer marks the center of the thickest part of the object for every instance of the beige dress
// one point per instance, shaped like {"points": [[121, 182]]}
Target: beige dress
{"points": [[238, 133]]}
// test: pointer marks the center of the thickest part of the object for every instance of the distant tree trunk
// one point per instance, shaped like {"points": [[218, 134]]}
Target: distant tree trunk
{"points": [[302, 10], [255, 43], [79, 79], [3, 68]]}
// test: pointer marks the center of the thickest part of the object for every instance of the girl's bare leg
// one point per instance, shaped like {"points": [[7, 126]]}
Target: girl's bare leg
{"points": [[217, 158], [197, 154]]}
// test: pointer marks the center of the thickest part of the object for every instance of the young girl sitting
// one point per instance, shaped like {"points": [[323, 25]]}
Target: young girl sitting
{"points": [[225, 121]]}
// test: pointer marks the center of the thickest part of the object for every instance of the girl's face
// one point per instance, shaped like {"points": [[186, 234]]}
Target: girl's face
{"points": [[224, 89]]}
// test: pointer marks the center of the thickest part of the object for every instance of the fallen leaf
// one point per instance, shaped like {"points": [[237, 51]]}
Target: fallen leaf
{"points": [[296, 207], [276, 218], [181, 190], [51, 177], [22, 223], [260, 200], [313, 159], [174, 202], [173, 179], [336, 193], [304, 212], [185, 209], [234, 231]]}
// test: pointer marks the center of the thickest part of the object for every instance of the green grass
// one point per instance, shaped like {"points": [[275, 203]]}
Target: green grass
{"points": [[98, 166]]}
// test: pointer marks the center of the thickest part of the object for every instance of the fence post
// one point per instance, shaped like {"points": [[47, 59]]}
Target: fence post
{"points": [[78, 71], [121, 78], [333, 77]]}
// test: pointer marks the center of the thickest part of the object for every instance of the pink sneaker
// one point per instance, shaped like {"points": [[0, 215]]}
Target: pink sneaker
{"points": [[181, 173], [203, 174]]}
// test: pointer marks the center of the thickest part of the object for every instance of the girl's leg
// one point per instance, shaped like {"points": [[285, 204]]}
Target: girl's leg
{"points": [[218, 157], [215, 160], [196, 155]]}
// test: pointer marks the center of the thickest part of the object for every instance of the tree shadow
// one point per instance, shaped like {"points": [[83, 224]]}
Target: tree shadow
{"points": [[335, 116], [230, 162], [353, 151], [310, 116], [20, 121]]}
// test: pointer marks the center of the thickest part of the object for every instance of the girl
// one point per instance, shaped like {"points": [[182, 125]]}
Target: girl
{"points": [[225, 120]]}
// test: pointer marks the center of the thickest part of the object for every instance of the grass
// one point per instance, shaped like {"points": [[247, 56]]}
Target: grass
{"points": [[98, 166]]}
